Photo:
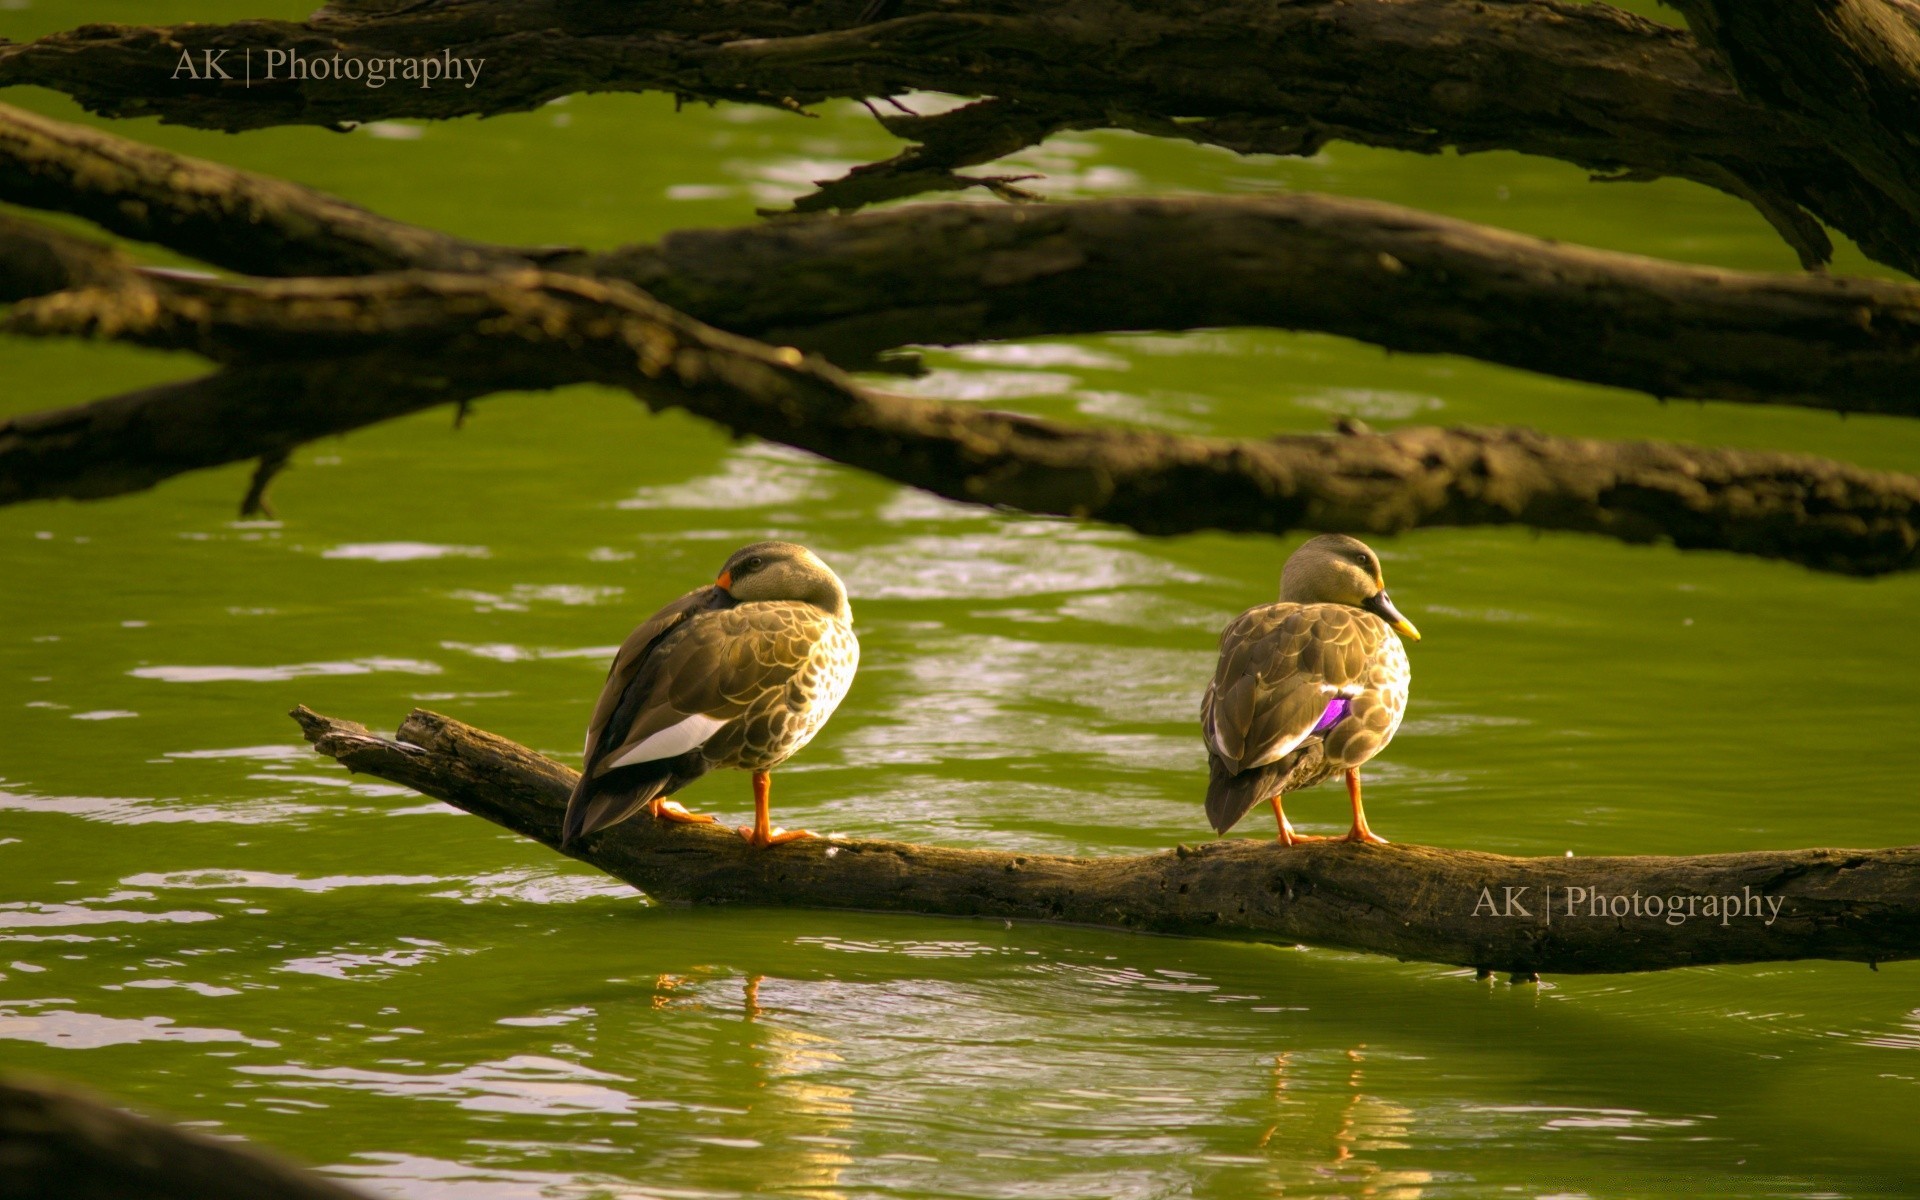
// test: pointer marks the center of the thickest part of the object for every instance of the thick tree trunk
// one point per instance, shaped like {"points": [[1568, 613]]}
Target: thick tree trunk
{"points": [[1521, 915]]}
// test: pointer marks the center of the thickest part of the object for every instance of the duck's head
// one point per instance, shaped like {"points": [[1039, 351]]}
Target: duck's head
{"points": [[1336, 569], [783, 571]]}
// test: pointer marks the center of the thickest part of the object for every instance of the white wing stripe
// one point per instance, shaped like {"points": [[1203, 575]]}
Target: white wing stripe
{"points": [[1278, 752], [674, 740]]}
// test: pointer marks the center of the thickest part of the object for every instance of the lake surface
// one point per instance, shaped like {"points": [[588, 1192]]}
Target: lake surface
{"points": [[200, 917]]}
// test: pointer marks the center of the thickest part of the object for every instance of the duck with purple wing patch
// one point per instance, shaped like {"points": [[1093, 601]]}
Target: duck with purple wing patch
{"points": [[741, 673], [1308, 688]]}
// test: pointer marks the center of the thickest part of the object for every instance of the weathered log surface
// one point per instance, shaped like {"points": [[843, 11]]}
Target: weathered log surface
{"points": [[1585, 83], [1410, 902], [58, 1144], [1379, 273]]}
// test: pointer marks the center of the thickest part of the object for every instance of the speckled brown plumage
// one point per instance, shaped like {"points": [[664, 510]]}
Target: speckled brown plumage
{"points": [[719, 682], [1266, 718]]}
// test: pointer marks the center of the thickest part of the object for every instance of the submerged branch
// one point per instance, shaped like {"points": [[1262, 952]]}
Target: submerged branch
{"points": [[1411, 902]]}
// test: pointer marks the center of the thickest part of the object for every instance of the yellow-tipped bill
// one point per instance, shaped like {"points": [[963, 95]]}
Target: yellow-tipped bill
{"points": [[1381, 605]]}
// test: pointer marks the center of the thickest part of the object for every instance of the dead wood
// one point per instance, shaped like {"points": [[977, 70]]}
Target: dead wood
{"points": [[1408, 281], [1410, 902], [58, 1144], [946, 274], [457, 336], [1585, 83]]}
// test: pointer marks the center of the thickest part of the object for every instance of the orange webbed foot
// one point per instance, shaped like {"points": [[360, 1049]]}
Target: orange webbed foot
{"points": [[1365, 837], [675, 812], [761, 839]]}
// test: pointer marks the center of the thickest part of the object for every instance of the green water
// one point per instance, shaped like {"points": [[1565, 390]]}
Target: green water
{"points": [[204, 919]]}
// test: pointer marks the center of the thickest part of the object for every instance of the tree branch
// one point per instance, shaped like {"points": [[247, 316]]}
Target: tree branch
{"points": [[1847, 70], [944, 274], [217, 214], [1410, 902], [456, 336], [1584, 83], [36, 260], [1398, 278]]}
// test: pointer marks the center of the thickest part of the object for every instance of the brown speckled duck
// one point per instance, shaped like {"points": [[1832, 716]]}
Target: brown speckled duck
{"points": [[1307, 688], [741, 673]]}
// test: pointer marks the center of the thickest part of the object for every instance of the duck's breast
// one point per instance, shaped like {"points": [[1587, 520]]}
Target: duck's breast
{"points": [[1377, 706]]}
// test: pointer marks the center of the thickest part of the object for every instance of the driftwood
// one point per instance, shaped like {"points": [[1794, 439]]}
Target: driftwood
{"points": [[59, 1144], [1587, 84], [1411, 902]]}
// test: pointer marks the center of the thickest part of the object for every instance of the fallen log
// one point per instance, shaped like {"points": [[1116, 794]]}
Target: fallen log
{"points": [[1424, 903]]}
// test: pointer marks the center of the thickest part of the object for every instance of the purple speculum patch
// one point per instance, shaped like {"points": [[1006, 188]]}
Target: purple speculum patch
{"points": [[1336, 711]]}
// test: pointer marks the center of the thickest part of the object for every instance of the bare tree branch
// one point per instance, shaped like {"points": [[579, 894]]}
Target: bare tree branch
{"points": [[943, 274], [217, 214], [948, 274], [1845, 70], [1585, 83], [36, 260], [1410, 902], [347, 352]]}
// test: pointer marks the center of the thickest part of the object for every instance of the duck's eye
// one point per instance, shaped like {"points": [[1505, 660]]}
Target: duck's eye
{"points": [[754, 564]]}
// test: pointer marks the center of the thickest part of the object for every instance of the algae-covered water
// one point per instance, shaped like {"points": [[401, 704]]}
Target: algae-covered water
{"points": [[201, 918]]}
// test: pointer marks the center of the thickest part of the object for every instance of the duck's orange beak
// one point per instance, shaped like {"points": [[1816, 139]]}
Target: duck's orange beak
{"points": [[725, 582]]}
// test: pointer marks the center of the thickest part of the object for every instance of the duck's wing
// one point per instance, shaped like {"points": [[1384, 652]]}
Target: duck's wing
{"points": [[632, 658], [1282, 668], [1286, 673], [683, 679]]}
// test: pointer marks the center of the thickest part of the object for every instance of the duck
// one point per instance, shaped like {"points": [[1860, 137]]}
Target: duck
{"points": [[741, 674], [1308, 688]]}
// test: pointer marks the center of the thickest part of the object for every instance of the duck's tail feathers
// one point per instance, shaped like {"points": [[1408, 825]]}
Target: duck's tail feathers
{"points": [[610, 799], [1230, 794]]}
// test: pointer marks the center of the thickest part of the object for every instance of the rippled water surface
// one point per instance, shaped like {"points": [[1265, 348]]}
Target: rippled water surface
{"points": [[201, 917]]}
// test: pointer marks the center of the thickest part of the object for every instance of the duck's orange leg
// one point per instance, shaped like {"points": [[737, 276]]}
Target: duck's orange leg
{"points": [[763, 834], [662, 809], [1287, 837], [1359, 832]]}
